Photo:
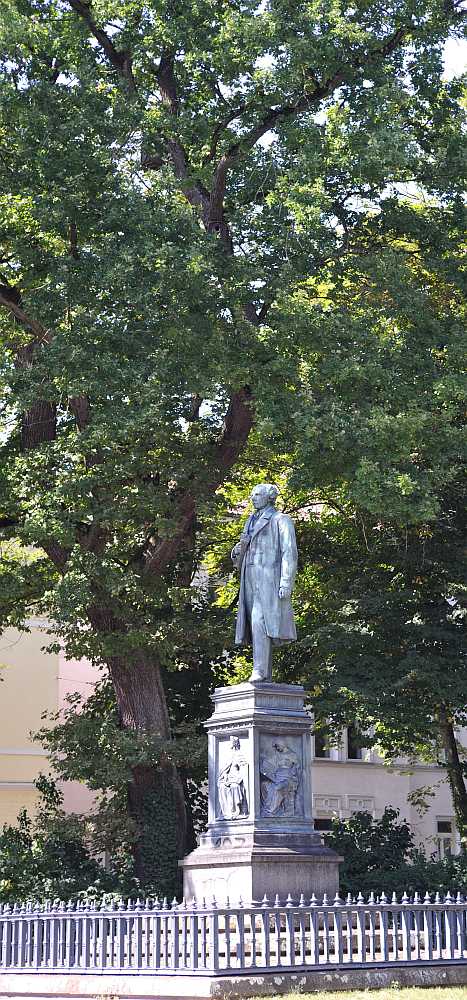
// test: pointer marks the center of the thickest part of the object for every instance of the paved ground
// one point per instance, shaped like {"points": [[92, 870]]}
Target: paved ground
{"points": [[391, 993]]}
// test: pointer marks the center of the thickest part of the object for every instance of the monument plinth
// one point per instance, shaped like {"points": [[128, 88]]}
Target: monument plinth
{"points": [[260, 838]]}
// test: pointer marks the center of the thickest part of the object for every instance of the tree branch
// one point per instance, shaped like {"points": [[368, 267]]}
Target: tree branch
{"points": [[120, 60], [238, 422], [287, 112], [9, 297]]}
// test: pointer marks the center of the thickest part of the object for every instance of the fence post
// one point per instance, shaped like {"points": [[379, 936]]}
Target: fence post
{"points": [[448, 921], [417, 918], [37, 936], [69, 935], [214, 937], [361, 935], [204, 937], [6, 951], [338, 943], [289, 931], [314, 931], [302, 929], [240, 934], [405, 927], [460, 926]]}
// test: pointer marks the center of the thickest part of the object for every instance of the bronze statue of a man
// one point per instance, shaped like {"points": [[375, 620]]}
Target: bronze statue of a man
{"points": [[266, 557]]}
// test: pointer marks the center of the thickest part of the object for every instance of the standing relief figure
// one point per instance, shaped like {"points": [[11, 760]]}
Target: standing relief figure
{"points": [[232, 783], [266, 558]]}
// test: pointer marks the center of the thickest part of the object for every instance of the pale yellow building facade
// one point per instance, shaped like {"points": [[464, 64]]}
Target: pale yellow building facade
{"points": [[33, 681], [345, 779], [343, 785]]}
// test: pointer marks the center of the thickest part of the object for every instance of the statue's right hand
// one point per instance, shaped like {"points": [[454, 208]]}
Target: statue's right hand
{"points": [[236, 555]]}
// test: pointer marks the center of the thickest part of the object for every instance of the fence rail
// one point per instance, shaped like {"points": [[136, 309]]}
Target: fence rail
{"points": [[198, 938]]}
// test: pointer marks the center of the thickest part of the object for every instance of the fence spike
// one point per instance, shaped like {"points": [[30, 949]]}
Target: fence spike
{"points": [[203, 902], [337, 899], [301, 901], [416, 897], [394, 899], [383, 899], [349, 899], [459, 899], [448, 898], [427, 898], [371, 898], [405, 898], [289, 900], [325, 899], [360, 899], [174, 904], [437, 898], [227, 902], [277, 901], [313, 900], [164, 903], [214, 903]]}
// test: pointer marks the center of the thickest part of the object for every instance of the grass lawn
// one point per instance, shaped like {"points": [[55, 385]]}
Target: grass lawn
{"points": [[389, 993]]}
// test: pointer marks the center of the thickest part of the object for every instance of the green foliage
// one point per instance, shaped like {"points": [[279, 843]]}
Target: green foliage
{"points": [[372, 848], [219, 215], [47, 857], [379, 856], [87, 743]]}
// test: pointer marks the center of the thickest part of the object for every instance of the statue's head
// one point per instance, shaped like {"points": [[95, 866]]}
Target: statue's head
{"points": [[235, 743], [264, 494]]}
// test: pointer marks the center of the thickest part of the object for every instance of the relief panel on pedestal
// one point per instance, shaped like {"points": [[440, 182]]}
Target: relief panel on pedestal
{"points": [[281, 776], [233, 789]]}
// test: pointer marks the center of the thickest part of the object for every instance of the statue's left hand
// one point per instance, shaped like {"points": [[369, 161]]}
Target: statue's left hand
{"points": [[284, 592]]}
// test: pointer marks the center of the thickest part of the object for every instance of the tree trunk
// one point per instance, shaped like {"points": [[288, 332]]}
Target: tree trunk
{"points": [[156, 798], [455, 773]]}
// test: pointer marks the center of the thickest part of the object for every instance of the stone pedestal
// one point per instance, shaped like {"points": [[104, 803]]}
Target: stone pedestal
{"points": [[260, 838]]}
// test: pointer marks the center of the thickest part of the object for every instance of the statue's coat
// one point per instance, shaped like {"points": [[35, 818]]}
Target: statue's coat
{"points": [[273, 550]]}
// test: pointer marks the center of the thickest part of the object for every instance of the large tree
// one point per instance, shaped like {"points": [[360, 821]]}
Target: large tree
{"points": [[174, 176]]}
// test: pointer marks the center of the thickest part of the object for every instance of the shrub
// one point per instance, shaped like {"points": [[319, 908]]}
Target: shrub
{"points": [[380, 856]]}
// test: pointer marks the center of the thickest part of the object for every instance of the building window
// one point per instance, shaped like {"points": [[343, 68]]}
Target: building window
{"points": [[323, 825], [354, 744], [321, 744], [361, 803], [445, 841]]}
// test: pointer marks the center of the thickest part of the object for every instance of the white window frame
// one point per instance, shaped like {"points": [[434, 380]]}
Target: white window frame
{"points": [[443, 840]]}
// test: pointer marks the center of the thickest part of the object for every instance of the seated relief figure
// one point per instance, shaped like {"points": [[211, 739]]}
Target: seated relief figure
{"points": [[280, 774], [232, 783]]}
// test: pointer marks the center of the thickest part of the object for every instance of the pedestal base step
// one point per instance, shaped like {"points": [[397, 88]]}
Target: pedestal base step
{"points": [[254, 872]]}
